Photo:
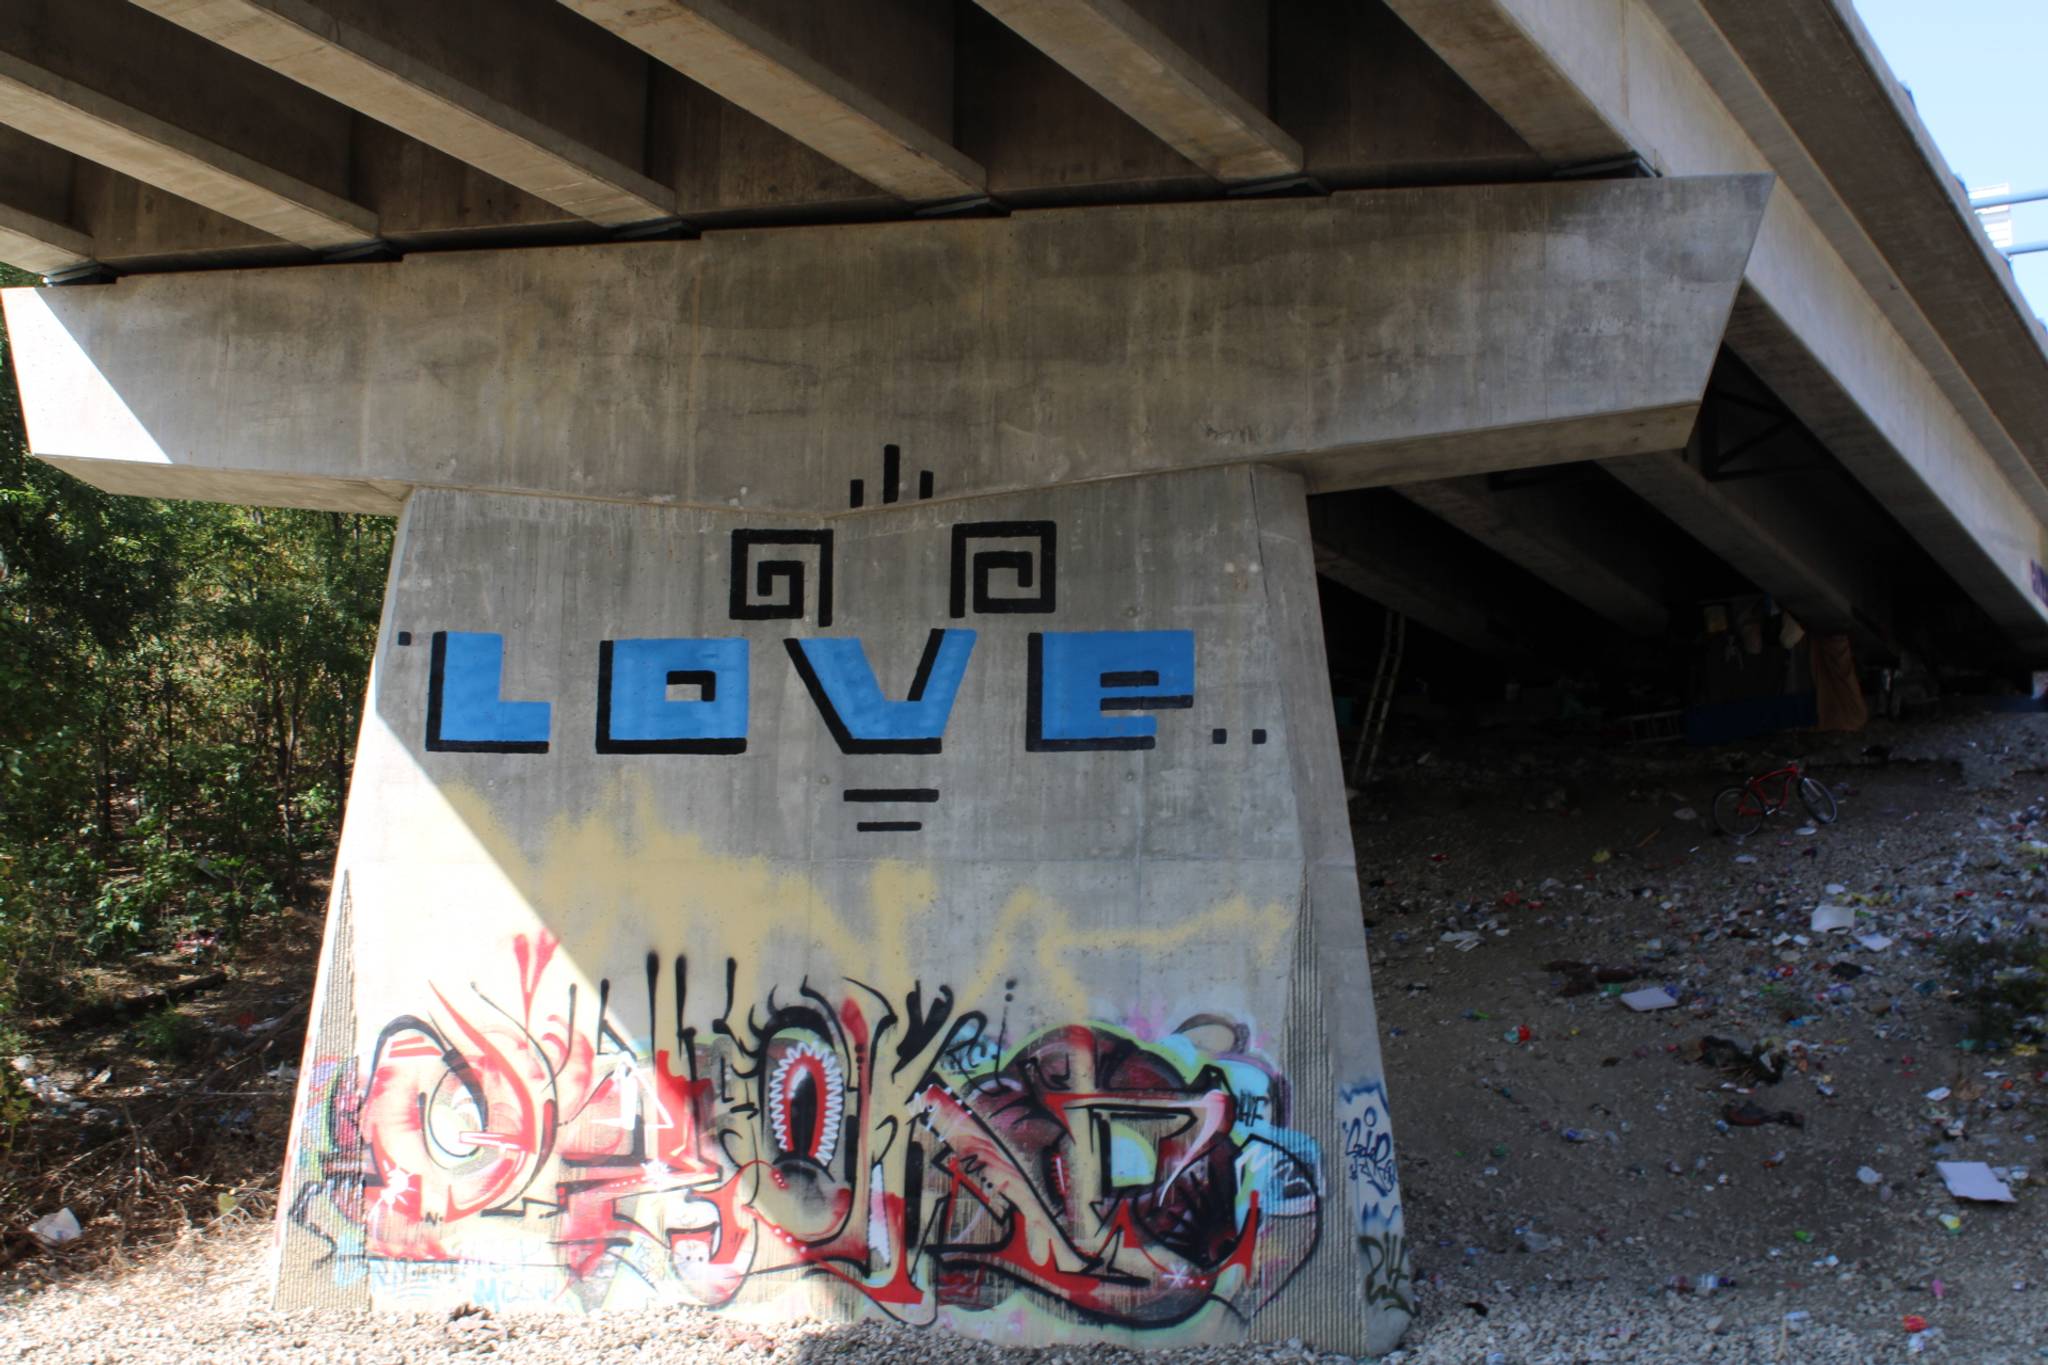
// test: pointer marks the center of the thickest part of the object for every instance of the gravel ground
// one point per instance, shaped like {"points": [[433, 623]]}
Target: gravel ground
{"points": [[213, 1298], [1530, 1247]]}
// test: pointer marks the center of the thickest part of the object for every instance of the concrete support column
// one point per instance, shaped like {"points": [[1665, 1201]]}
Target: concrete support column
{"points": [[943, 910]]}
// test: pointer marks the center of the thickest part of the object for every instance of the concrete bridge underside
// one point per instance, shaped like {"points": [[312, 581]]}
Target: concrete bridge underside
{"points": [[852, 678]]}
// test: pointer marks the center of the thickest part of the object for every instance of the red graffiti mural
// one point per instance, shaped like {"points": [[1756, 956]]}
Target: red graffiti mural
{"points": [[903, 1148]]}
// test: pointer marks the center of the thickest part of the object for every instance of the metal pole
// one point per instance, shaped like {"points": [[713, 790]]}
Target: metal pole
{"points": [[1999, 201], [1372, 703], [2026, 248], [1379, 728]]}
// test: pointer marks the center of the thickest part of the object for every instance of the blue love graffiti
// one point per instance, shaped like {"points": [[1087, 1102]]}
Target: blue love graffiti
{"points": [[1084, 690]]}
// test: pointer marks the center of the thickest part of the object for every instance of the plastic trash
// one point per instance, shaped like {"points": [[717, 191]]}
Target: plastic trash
{"points": [[55, 1229], [1973, 1180], [1829, 918], [1750, 1114], [1650, 998], [1868, 1175]]}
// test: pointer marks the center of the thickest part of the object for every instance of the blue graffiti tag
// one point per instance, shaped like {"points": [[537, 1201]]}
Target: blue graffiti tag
{"points": [[465, 711]]}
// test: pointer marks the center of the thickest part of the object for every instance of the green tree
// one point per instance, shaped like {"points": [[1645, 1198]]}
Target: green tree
{"points": [[179, 688]]}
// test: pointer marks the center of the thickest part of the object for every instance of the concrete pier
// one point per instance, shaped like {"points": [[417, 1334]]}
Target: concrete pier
{"points": [[942, 909]]}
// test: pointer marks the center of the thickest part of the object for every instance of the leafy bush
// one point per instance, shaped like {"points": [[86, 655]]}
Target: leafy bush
{"points": [[179, 687], [168, 1035]]}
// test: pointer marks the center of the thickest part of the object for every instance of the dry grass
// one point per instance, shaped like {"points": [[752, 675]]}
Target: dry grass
{"points": [[175, 1131]]}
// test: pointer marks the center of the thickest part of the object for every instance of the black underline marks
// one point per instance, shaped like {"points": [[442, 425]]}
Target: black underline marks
{"points": [[869, 796]]}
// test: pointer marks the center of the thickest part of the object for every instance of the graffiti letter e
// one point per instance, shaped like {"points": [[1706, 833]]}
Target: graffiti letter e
{"points": [[1079, 678]]}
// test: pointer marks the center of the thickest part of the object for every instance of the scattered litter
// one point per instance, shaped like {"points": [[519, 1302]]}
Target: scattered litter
{"points": [[1464, 940], [1973, 1180], [1750, 1114], [1745, 857], [1828, 918], [1685, 813], [1578, 1135], [1753, 1064], [1604, 855], [1806, 829], [55, 1229], [1877, 943], [1582, 978], [1913, 1322], [1951, 1222], [1650, 998], [1938, 1094], [1868, 1175]]}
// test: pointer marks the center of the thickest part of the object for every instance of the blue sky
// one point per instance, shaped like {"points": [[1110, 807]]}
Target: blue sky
{"points": [[1976, 70]]}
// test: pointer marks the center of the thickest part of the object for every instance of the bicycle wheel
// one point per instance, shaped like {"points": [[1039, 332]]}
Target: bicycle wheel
{"points": [[1739, 812], [1819, 801]]}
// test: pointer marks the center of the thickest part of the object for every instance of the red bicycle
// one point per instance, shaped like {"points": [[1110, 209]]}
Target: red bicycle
{"points": [[1740, 811]]}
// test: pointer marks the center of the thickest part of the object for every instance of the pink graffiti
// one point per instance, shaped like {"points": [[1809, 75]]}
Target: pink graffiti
{"points": [[892, 1145]]}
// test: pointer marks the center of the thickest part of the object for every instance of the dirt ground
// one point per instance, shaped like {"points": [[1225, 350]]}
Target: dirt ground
{"points": [[1593, 1150], [1575, 1187]]}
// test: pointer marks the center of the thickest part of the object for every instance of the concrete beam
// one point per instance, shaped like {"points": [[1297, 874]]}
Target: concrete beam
{"points": [[1768, 541], [737, 56], [1360, 338], [1663, 80], [1387, 550], [1813, 68], [29, 242], [100, 127], [381, 79], [1137, 67], [1490, 43], [1553, 531], [1972, 540]]}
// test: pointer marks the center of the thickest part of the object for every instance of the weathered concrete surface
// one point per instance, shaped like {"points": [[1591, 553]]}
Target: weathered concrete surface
{"points": [[1403, 334], [1558, 534], [794, 67], [1492, 46], [1779, 545], [31, 242], [177, 113], [621, 1004], [1387, 551], [1994, 529], [1137, 66], [1856, 121], [1948, 450], [379, 75]]}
